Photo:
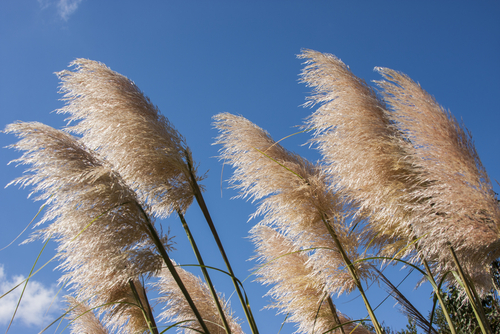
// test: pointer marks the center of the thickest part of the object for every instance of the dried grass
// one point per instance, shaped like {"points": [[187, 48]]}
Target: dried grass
{"points": [[411, 167], [116, 119], [297, 291], [92, 210], [294, 197]]}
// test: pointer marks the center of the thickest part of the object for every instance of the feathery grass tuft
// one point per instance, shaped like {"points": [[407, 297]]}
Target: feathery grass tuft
{"points": [[294, 197], [364, 152], [93, 210], [408, 163], [458, 206], [116, 119], [83, 319], [296, 288]]}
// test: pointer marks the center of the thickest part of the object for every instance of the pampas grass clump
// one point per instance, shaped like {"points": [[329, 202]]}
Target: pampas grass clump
{"points": [[399, 180]]}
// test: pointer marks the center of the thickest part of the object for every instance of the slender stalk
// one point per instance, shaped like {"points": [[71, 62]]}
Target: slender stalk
{"points": [[432, 314], [201, 203], [434, 300], [437, 293], [352, 271], [26, 284], [149, 310], [205, 272], [171, 268], [334, 312], [473, 297], [146, 309]]}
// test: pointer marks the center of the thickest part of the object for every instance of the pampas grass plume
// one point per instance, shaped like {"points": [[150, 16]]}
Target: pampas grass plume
{"points": [[91, 209], [294, 197], [116, 119], [458, 206], [296, 289]]}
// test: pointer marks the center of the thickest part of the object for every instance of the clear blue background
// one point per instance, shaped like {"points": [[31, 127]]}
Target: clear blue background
{"points": [[195, 59]]}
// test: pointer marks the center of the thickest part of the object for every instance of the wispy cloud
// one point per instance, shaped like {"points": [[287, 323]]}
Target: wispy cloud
{"points": [[65, 8], [36, 301]]}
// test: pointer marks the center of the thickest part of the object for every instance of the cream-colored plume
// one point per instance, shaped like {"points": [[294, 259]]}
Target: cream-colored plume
{"points": [[294, 197], [101, 230], [297, 291], [364, 152], [457, 206], [411, 167], [83, 319], [116, 119]]}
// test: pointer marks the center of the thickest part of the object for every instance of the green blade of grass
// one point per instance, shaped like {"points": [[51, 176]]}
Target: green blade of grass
{"points": [[26, 284]]}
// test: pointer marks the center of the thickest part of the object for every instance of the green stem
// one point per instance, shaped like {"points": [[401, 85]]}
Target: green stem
{"points": [[352, 272], [171, 268], [146, 309], [431, 318], [205, 272], [201, 203], [473, 297], [437, 293]]}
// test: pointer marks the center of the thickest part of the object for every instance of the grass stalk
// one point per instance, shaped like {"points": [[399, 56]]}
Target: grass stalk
{"points": [[473, 297], [161, 249], [352, 272], [434, 299], [205, 272], [25, 285], [437, 293], [201, 203], [334, 312]]}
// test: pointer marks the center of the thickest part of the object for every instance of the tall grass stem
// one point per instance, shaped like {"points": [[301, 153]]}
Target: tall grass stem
{"points": [[146, 309], [205, 272], [352, 272], [201, 203], [25, 285], [473, 297], [171, 268], [437, 293]]}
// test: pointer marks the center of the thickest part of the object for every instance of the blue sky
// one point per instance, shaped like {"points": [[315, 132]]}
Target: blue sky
{"points": [[195, 59]]}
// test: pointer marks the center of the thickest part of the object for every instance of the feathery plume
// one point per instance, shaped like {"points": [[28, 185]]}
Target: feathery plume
{"points": [[296, 289], [83, 319], [364, 152], [294, 197], [177, 310], [100, 228], [412, 168], [116, 119], [458, 206]]}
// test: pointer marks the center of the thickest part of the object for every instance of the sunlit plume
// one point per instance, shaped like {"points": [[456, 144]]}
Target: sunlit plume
{"points": [[117, 120], [293, 196], [296, 289], [90, 209]]}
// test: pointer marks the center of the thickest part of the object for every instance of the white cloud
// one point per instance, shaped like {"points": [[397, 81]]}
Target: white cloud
{"points": [[67, 7], [37, 300]]}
